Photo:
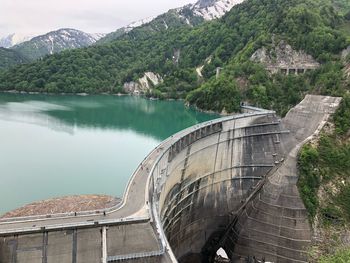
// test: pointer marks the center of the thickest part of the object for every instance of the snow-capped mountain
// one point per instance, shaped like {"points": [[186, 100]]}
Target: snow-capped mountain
{"points": [[188, 15], [212, 9], [62, 39], [138, 23], [10, 58], [97, 36], [13, 39], [54, 42], [123, 30]]}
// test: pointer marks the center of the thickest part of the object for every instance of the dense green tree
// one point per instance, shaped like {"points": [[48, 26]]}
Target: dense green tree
{"points": [[220, 94]]}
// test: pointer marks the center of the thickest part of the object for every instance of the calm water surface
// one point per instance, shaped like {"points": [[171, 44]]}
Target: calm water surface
{"points": [[54, 146]]}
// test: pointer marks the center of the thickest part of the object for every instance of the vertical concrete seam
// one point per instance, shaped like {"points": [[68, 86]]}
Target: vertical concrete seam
{"points": [[14, 248], [232, 145], [104, 245], [74, 246], [44, 249], [216, 154]]}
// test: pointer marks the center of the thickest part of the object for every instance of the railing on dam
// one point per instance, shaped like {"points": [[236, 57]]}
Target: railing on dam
{"points": [[169, 149], [192, 137]]}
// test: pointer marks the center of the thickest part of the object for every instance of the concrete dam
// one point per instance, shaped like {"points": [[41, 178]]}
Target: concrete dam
{"points": [[228, 183]]}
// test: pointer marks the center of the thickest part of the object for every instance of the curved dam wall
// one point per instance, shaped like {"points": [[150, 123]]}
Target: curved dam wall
{"points": [[206, 175], [274, 226]]}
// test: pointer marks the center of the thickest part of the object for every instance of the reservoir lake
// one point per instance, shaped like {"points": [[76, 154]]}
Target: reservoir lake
{"points": [[60, 145]]}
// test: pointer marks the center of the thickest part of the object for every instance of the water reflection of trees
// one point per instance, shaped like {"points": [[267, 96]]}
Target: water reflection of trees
{"points": [[158, 119]]}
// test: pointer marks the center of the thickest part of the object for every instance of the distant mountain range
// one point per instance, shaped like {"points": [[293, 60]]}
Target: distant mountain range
{"points": [[30, 48], [9, 58], [212, 9], [189, 15], [13, 39], [55, 42]]}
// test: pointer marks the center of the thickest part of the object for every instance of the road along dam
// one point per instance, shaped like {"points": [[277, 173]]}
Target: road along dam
{"points": [[227, 183]]}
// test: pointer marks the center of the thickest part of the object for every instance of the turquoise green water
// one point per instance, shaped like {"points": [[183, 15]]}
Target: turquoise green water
{"points": [[54, 146]]}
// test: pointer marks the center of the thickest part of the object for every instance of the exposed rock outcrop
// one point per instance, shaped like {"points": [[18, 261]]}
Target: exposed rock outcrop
{"points": [[284, 58], [144, 84], [345, 52], [345, 55], [199, 69], [347, 70]]}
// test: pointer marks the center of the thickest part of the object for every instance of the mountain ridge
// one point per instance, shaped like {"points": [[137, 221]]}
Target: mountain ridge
{"points": [[54, 42], [213, 9], [10, 58], [13, 39], [36, 47], [188, 15]]}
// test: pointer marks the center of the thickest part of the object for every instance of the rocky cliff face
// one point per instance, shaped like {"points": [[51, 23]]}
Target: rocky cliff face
{"points": [[345, 56], [144, 84], [282, 57], [345, 52]]}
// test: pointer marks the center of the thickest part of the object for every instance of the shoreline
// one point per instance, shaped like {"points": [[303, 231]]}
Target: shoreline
{"points": [[65, 204], [186, 104]]}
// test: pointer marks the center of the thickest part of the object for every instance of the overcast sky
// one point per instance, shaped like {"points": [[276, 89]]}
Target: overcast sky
{"points": [[93, 16]]}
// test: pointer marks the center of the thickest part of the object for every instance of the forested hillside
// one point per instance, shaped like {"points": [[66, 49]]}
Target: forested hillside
{"points": [[170, 20], [54, 42], [324, 185], [10, 58], [312, 26]]}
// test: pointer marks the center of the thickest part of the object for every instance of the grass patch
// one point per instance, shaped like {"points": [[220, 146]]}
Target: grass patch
{"points": [[341, 256], [343, 200], [309, 179], [345, 29]]}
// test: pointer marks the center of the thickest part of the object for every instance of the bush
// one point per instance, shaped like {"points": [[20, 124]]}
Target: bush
{"points": [[342, 117], [341, 256], [217, 95], [309, 180]]}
